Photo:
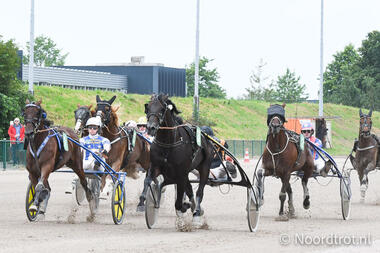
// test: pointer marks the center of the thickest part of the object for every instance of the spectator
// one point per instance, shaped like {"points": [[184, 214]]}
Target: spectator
{"points": [[16, 133]]}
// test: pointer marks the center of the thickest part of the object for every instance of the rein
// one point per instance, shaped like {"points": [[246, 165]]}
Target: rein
{"points": [[277, 153], [172, 128]]}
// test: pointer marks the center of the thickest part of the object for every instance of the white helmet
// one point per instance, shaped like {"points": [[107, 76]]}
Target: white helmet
{"points": [[93, 122], [141, 121], [131, 124]]}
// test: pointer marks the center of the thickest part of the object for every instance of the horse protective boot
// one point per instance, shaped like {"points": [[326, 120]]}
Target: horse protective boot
{"points": [[159, 182]]}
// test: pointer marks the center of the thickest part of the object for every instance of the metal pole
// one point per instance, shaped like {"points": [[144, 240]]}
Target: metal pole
{"points": [[196, 69], [4, 154], [31, 48], [321, 68]]}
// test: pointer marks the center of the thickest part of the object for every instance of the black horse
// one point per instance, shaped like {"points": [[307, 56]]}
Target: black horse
{"points": [[174, 153]]}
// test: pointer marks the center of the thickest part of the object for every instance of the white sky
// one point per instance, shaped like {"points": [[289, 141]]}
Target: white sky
{"points": [[236, 34]]}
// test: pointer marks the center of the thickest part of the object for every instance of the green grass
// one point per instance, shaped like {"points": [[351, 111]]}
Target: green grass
{"points": [[233, 119]]}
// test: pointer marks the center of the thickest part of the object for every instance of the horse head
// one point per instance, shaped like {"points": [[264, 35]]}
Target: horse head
{"points": [[82, 114], [160, 111], [276, 118], [103, 109], [365, 123], [33, 116]]}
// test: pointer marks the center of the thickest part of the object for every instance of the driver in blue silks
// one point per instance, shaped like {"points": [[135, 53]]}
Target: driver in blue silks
{"points": [[96, 143]]}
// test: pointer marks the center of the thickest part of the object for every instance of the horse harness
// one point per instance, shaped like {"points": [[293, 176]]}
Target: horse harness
{"points": [[190, 131], [291, 136]]}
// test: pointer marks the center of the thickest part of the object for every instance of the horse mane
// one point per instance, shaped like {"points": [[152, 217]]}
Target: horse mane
{"points": [[114, 115]]}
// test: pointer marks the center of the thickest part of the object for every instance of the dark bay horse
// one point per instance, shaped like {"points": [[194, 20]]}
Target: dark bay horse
{"points": [[280, 159], [45, 154], [367, 152], [82, 114], [173, 154], [123, 154]]}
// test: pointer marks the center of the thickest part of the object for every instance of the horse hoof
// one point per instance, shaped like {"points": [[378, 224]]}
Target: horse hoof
{"points": [[91, 218], [282, 217], [140, 208], [306, 203], [40, 217]]}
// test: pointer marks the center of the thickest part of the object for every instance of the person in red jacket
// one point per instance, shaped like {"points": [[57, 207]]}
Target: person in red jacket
{"points": [[16, 133]]}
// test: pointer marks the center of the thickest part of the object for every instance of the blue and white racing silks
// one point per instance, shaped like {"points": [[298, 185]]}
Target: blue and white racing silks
{"points": [[96, 144]]}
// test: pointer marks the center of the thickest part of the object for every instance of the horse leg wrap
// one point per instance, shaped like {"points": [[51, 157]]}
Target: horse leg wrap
{"points": [[282, 196], [44, 202]]}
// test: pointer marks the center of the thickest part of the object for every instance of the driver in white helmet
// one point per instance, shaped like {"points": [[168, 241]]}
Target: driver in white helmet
{"points": [[307, 130], [96, 143]]}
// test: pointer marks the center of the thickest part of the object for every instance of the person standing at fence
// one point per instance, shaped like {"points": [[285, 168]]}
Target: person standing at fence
{"points": [[16, 133]]}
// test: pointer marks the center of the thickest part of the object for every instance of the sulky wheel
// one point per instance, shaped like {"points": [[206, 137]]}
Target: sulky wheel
{"points": [[253, 211], [118, 203], [30, 194], [80, 194], [151, 203], [345, 196]]}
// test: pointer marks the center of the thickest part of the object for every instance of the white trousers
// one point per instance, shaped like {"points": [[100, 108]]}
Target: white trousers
{"points": [[319, 164]]}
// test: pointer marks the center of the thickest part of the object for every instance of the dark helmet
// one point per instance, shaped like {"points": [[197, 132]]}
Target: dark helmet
{"points": [[207, 130]]}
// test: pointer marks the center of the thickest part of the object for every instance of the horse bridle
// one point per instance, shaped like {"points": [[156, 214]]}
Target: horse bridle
{"points": [[159, 115], [78, 118], [107, 113], [365, 124], [34, 121]]}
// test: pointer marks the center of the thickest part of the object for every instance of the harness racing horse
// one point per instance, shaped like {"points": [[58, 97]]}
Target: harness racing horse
{"points": [[173, 155], [367, 152], [281, 157], [82, 114], [45, 154], [129, 150]]}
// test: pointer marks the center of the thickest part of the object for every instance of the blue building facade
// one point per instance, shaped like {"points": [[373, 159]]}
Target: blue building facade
{"points": [[145, 79]]}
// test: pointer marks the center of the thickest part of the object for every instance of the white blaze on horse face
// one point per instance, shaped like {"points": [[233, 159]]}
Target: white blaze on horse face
{"points": [[78, 124]]}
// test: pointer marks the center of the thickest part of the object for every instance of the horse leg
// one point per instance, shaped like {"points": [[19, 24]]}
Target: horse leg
{"points": [[203, 177], [282, 197], [260, 185], [147, 182], [290, 202], [180, 209], [306, 195], [190, 195], [364, 181]]}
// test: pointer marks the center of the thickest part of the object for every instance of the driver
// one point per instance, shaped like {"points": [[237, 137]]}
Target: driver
{"points": [[307, 131], [96, 143]]}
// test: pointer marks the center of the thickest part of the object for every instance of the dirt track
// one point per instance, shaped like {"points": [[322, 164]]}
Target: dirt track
{"points": [[225, 214]]}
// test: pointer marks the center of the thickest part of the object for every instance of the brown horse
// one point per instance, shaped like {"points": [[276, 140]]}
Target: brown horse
{"points": [[45, 154], [123, 155], [367, 152], [281, 158]]}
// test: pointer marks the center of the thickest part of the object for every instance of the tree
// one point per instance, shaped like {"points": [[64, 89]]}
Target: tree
{"points": [[288, 88], [46, 53], [337, 72], [208, 80], [353, 77], [12, 93], [260, 89]]}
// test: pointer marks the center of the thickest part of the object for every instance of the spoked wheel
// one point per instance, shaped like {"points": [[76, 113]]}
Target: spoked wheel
{"points": [[151, 205], [345, 195], [118, 203], [253, 210], [80, 194], [30, 195]]}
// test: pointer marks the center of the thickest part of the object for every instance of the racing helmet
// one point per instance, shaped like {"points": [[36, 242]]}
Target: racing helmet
{"points": [[94, 121], [141, 121], [307, 126]]}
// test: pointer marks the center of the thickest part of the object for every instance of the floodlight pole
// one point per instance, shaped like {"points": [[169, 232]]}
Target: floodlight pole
{"points": [[31, 48], [196, 69], [321, 68]]}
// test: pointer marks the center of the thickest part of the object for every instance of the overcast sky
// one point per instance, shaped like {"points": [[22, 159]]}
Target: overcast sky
{"points": [[236, 34]]}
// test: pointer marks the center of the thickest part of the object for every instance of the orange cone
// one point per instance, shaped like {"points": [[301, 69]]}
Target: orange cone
{"points": [[246, 156]]}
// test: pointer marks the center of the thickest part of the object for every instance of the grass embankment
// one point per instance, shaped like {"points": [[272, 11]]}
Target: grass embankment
{"points": [[233, 119]]}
